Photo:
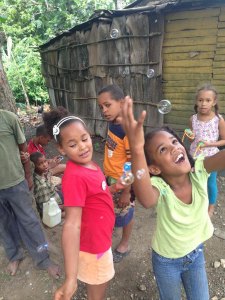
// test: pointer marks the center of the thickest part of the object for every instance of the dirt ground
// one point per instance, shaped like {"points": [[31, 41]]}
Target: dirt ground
{"points": [[134, 277]]}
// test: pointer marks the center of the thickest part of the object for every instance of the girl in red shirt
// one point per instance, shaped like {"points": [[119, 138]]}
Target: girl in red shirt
{"points": [[89, 220]]}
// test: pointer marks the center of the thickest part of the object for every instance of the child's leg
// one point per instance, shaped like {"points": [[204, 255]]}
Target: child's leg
{"points": [[195, 279], [126, 233], [96, 292], [167, 272], [212, 191]]}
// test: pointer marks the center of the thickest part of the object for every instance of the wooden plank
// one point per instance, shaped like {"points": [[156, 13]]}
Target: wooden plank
{"points": [[102, 50], [221, 25], [191, 55], [191, 33], [186, 76], [221, 39], [92, 49], [222, 14], [220, 45], [221, 32], [218, 82], [177, 120], [185, 89], [172, 95], [220, 89], [219, 77], [188, 63], [118, 50], [220, 51], [188, 70], [191, 14], [219, 57], [207, 40], [138, 24], [218, 71], [186, 49], [202, 23], [219, 64], [181, 83]]}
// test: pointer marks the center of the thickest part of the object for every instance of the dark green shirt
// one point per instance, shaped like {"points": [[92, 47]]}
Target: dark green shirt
{"points": [[11, 134]]}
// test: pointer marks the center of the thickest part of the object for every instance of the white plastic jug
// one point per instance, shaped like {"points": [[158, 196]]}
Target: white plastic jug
{"points": [[51, 213]]}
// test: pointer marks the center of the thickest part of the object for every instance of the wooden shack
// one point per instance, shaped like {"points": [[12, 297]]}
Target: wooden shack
{"points": [[153, 50]]}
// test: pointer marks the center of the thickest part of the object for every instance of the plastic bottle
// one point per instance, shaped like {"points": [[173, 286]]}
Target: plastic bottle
{"points": [[127, 178], [51, 213]]}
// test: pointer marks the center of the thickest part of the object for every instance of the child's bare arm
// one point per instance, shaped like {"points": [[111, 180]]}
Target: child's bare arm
{"points": [[71, 247], [143, 188], [215, 162], [26, 165]]}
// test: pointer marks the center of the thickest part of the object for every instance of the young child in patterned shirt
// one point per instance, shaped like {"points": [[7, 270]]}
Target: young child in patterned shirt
{"points": [[44, 188], [208, 127]]}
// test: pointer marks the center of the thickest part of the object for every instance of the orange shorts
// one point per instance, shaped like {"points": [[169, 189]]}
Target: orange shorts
{"points": [[95, 268]]}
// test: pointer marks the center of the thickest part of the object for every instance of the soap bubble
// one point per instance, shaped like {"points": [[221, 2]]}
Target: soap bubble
{"points": [[114, 33], [140, 173], [150, 73], [164, 107], [126, 71]]}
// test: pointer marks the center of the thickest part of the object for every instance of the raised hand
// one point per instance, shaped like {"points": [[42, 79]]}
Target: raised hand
{"points": [[133, 128]]}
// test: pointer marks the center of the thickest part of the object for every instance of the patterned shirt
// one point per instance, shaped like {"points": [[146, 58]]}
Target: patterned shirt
{"points": [[44, 189], [205, 131]]}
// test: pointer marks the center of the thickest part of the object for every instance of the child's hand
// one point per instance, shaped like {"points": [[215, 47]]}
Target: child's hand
{"points": [[53, 162], [205, 144], [124, 199], [66, 291], [24, 156], [116, 187], [133, 129]]}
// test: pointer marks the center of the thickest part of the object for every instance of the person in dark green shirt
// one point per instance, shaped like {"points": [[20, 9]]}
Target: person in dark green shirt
{"points": [[18, 220]]}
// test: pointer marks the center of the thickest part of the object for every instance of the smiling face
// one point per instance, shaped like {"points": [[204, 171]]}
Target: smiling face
{"points": [[76, 143], [205, 101], [168, 156], [110, 107]]}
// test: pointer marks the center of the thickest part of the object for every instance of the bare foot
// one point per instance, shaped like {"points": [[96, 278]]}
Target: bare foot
{"points": [[54, 271], [13, 267]]}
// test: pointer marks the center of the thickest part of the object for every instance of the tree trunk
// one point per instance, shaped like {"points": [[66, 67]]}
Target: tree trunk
{"points": [[6, 97]]}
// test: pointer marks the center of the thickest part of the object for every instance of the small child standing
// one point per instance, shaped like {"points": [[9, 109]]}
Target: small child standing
{"points": [[44, 189], [37, 144], [209, 128], [117, 152], [178, 189], [89, 219]]}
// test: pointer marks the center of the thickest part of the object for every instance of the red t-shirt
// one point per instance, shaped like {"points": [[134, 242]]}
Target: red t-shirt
{"points": [[87, 188], [31, 148]]}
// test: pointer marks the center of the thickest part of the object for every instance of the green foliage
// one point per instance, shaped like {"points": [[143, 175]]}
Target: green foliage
{"points": [[24, 65], [31, 23]]}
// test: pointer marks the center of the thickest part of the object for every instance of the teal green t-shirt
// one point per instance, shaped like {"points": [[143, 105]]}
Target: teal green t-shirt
{"points": [[182, 227], [11, 134]]}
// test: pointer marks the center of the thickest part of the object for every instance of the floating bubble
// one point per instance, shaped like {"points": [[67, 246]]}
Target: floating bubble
{"points": [[164, 107], [140, 173], [150, 73], [126, 71], [114, 33]]}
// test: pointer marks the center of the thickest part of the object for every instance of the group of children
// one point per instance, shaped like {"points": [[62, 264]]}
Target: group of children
{"points": [[95, 202]]}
